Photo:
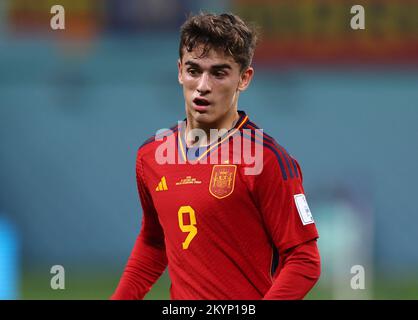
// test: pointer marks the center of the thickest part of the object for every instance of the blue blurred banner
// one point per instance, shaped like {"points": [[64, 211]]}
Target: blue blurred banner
{"points": [[9, 267]]}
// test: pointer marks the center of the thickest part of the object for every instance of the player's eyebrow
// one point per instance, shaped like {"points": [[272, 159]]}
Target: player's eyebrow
{"points": [[221, 66], [192, 64], [216, 66]]}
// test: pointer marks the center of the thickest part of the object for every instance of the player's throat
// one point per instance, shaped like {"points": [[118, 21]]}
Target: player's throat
{"points": [[198, 142]]}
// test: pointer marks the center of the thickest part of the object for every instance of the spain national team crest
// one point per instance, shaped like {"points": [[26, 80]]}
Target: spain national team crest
{"points": [[222, 181]]}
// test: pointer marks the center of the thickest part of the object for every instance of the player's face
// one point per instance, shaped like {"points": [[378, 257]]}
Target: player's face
{"points": [[211, 86]]}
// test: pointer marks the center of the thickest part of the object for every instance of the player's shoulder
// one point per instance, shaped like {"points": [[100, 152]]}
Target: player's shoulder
{"points": [[274, 153], [149, 146]]}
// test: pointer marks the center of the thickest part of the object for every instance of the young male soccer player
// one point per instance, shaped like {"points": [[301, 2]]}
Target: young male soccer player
{"points": [[223, 233]]}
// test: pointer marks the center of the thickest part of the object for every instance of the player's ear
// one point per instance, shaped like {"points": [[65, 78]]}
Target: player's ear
{"points": [[245, 79], [179, 67]]}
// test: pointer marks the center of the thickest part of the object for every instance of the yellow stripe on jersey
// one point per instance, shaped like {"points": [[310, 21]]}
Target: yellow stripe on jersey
{"points": [[164, 183]]}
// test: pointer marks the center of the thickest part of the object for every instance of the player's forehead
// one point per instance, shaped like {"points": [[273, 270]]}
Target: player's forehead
{"points": [[211, 58]]}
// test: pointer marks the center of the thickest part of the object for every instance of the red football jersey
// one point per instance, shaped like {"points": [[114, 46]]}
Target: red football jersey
{"points": [[219, 229]]}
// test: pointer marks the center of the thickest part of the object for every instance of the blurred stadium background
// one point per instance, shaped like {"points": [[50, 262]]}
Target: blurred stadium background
{"points": [[75, 105]]}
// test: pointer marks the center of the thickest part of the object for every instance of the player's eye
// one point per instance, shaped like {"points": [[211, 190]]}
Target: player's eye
{"points": [[219, 74], [192, 71]]}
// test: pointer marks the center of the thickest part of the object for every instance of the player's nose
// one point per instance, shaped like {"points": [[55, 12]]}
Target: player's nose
{"points": [[203, 85]]}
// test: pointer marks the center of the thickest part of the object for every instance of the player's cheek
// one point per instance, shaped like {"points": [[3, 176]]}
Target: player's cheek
{"points": [[188, 89], [191, 84]]}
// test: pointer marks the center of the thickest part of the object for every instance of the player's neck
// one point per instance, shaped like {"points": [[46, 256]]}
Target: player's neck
{"points": [[226, 123]]}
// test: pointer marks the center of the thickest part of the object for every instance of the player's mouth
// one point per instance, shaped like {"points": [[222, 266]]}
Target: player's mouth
{"points": [[201, 104]]}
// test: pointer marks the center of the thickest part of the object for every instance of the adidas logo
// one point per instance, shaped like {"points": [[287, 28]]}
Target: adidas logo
{"points": [[162, 186]]}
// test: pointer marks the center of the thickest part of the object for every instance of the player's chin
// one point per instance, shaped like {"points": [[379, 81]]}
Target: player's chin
{"points": [[207, 116]]}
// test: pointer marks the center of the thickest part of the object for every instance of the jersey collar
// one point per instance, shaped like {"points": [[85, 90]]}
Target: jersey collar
{"points": [[198, 153]]}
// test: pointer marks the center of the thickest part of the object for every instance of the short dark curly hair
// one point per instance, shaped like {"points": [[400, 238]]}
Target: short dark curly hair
{"points": [[226, 32]]}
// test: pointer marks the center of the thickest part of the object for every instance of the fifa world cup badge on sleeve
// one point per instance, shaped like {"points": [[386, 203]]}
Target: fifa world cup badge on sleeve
{"points": [[222, 181], [303, 209]]}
